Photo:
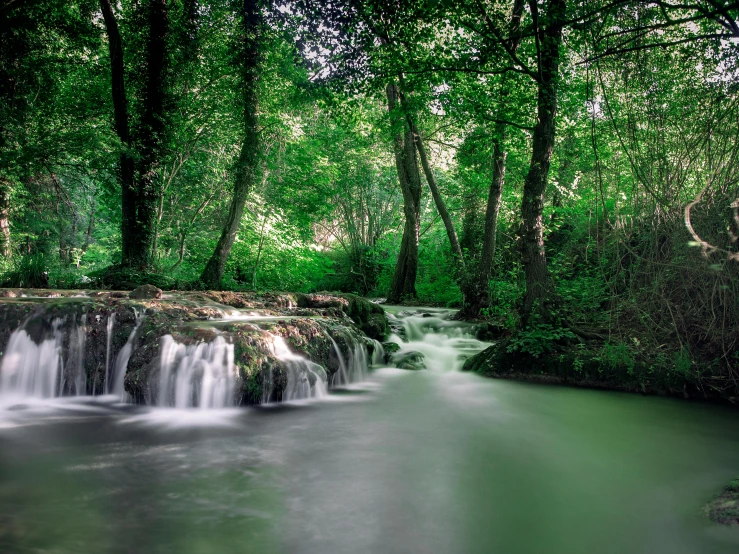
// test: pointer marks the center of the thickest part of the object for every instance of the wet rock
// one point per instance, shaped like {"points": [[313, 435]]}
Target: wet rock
{"points": [[145, 292], [390, 348], [410, 360]]}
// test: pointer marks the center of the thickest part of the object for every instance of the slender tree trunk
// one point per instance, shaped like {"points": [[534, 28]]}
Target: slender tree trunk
{"points": [[247, 163], [476, 292], [5, 245], [259, 255], [120, 112], [90, 225], [438, 200], [404, 280], [539, 289]]}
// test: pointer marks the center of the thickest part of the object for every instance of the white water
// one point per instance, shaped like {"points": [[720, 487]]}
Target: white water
{"points": [[29, 369], [116, 383], [305, 379], [109, 341], [444, 344], [201, 375]]}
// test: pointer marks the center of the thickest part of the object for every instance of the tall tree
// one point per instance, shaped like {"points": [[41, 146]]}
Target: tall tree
{"points": [[246, 166], [140, 173], [477, 290], [403, 284], [548, 34]]}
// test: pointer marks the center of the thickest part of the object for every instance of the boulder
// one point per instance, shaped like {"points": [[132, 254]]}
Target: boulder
{"points": [[145, 292]]}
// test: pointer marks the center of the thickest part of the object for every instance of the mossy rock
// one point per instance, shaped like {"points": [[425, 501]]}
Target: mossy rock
{"points": [[584, 365], [724, 509], [368, 316]]}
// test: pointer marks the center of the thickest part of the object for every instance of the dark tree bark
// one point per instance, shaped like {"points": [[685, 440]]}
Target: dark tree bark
{"points": [[246, 166], [476, 292], [539, 291], [150, 139], [120, 113], [404, 280]]}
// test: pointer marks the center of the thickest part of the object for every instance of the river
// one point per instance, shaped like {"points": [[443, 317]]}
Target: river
{"points": [[405, 462]]}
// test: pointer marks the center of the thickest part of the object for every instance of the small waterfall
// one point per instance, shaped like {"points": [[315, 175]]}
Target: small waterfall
{"points": [[108, 345], [358, 362], [74, 377], [341, 377], [305, 379], [378, 352], [29, 369], [116, 383], [355, 368], [201, 375]]}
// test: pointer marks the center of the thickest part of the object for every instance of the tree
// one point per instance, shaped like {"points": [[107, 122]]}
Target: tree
{"points": [[246, 166], [140, 172]]}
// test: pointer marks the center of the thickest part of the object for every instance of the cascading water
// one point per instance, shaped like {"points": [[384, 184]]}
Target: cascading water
{"points": [[110, 325], [78, 354], [201, 375], [75, 380], [378, 352], [115, 384], [305, 379], [341, 377], [29, 369], [443, 345]]}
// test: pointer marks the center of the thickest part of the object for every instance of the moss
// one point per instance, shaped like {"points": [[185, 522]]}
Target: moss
{"points": [[594, 366], [724, 509]]}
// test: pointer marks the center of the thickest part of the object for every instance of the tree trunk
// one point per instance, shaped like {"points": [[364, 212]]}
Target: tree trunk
{"points": [[120, 113], [150, 139], [477, 295], [90, 225], [404, 280], [539, 289], [259, 254], [438, 200], [247, 163], [5, 246]]}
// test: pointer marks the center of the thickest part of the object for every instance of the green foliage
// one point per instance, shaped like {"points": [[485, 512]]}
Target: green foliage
{"points": [[618, 356], [539, 337], [29, 271]]}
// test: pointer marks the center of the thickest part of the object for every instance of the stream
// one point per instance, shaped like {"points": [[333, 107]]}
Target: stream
{"points": [[434, 461]]}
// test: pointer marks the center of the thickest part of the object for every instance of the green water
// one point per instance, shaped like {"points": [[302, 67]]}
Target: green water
{"points": [[415, 463]]}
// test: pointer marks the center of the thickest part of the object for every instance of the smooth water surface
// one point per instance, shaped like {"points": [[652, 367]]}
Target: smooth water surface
{"points": [[412, 462]]}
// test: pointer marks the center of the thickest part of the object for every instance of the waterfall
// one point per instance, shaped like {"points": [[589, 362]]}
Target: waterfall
{"points": [[29, 369], [355, 368], [378, 352], [116, 384], [201, 375], [341, 377], [358, 362], [305, 379], [109, 341]]}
